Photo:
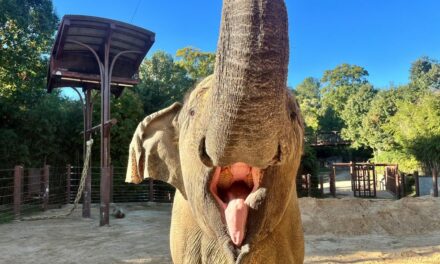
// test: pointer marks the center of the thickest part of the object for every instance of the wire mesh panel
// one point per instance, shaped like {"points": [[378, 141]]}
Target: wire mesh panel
{"points": [[6, 195], [33, 193], [57, 186], [30, 190], [122, 192]]}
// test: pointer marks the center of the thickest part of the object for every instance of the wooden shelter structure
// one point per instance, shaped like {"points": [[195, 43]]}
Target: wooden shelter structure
{"points": [[105, 55]]}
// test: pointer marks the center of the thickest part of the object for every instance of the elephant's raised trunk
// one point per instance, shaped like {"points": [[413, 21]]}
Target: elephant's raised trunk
{"points": [[249, 97]]}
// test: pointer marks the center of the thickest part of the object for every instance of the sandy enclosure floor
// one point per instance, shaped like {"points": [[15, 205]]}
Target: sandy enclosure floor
{"points": [[345, 230]]}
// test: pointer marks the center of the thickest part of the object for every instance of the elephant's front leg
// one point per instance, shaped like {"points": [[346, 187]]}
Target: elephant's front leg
{"points": [[185, 235]]}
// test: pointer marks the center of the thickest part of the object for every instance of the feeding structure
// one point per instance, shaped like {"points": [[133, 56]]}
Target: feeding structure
{"points": [[94, 53]]}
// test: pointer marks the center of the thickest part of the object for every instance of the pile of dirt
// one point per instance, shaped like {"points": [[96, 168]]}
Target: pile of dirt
{"points": [[354, 216]]}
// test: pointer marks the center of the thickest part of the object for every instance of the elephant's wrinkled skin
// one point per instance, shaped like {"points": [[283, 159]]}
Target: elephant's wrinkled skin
{"points": [[233, 149]]}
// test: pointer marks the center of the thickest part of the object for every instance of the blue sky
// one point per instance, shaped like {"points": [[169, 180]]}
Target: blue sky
{"points": [[383, 36]]}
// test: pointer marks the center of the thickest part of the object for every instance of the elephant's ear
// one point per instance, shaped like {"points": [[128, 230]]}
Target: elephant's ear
{"points": [[154, 149]]}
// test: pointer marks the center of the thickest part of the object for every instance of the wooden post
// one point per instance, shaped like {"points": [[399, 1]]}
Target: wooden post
{"points": [[111, 183], [333, 183], [386, 177], [374, 180], [397, 180], [434, 182], [416, 180], [105, 134], [357, 172], [352, 176], [402, 185], [45, 187], [68, 173], [321, 184], [18, 187], [87, 191], [104, 218], [151, 192], [309, 185]]}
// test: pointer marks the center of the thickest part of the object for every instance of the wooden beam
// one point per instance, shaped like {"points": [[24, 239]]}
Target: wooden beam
{"points": [[107, 125], [60, 48]]}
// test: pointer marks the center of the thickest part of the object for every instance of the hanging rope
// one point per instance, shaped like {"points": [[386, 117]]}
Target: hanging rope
{"points": [[78, 194]]}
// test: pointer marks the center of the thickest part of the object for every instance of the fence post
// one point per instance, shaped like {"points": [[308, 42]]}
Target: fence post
{"points": [[46, 186], [321, 184], [111, 183], [374, 180], [402, 185], [332, 183], [151, 192], [416, 180], [309, 185], [352, 177], [434, 182], [68, 172], [397, 180], [18, 187]]}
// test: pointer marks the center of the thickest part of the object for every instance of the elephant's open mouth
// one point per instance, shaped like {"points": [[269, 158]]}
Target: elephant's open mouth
{"points": [[230, 186]]}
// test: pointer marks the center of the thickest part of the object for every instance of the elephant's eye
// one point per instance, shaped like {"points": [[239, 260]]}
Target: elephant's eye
{"points": [[292, 116], [192, 112]]}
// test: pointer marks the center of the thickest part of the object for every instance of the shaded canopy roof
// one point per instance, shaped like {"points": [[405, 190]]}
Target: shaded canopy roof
{"points": [[72, 64]]}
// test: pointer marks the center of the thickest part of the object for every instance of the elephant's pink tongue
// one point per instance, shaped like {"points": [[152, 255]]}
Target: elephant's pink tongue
{"points": [[236, 211]]}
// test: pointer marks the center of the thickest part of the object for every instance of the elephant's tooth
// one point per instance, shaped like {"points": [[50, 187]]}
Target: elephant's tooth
{"points": [[226, 179], [256, 177]]}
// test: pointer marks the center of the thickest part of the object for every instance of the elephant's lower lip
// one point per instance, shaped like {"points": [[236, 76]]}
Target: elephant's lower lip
{"points": [[230, 186]]}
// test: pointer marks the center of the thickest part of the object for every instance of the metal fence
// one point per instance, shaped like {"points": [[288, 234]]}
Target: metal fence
{"points": [[6, 195], [121, 192], [24, 191]]}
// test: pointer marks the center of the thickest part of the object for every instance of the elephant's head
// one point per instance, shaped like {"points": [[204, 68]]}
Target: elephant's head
{"points": [[234, 147]]}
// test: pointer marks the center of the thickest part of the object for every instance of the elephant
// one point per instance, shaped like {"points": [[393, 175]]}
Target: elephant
{"points": [[232, 149]]}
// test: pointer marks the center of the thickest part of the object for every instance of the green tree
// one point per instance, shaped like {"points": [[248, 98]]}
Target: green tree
{"points": [[338, 85], [307, 94], [354, 112], [197, 63], [381, 109], [162, 82], [425, 74], [28, 116], [26, 32], [128, 110], [415, 127]]}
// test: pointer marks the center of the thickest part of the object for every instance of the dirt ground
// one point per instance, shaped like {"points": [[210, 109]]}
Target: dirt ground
{"points": [[344, 230]]}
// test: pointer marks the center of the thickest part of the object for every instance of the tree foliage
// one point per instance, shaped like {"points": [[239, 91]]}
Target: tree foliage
{"points": [[354, 112], [425, 74], [399, 124], [307, 94], [163, 82], [416, 129], [26, 31], [198, 64], [339, 84]]}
